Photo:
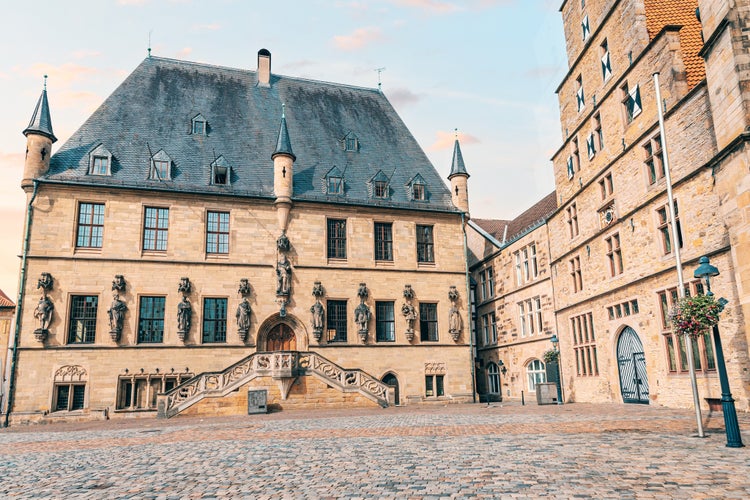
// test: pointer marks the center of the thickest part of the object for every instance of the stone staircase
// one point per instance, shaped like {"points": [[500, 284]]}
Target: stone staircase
{"points": [[282, 366]]}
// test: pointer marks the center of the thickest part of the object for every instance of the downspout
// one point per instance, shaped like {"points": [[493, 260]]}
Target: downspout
{"points": [[554, 306], [19, 307], [468, 311]]}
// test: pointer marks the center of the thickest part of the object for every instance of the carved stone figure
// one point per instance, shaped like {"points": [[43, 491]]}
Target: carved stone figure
{"points": [[116, 315], [283, 276], [243, 318], [362, 318], [185, 285], [45, 282], [410, 313], [244, 288], [283, 243], [43, 315], [118, 283], [454, 322], [184, 315], [317, 313]]}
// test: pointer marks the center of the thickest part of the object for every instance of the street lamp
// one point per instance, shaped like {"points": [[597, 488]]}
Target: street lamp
{"points": [[734, 440], [555, 341]]}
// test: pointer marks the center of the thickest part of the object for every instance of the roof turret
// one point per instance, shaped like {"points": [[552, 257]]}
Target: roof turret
{"points": [[283, 144], [457, 167], [41, 123]]}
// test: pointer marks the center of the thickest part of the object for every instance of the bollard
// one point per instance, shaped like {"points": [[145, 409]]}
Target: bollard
{"points": [[523, 402]]}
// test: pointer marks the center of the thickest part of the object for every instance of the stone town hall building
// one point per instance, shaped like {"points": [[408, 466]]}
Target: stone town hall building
{"points": [[594, 262], [237, 230]]}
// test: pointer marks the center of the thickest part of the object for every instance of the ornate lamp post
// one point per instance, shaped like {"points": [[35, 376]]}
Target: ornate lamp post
{"points": [[555, 343], [734, 440]]}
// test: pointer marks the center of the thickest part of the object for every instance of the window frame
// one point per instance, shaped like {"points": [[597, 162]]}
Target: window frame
{"points": [[664, 226], [535, 374], [336, 321], [81, 324], [385, 321], [157, 242], [90, 231], [213, 324], [217, 239], [575, 273], [336, 239], [383, 232], [606, 61], [614, 254], [434, 385], [428, 322], [584, 345], [572, 220], [425, 239], [70, 398], [493, 379], [149, 321]]}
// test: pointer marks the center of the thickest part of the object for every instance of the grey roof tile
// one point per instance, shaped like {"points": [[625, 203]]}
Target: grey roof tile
{"points": [[457, 165], [40, 121]]}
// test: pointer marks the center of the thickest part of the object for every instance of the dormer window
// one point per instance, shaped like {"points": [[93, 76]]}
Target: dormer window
{"points": [[220, 172], [378, 185], [100, 161], [418, 191], [351, 142], [199, 125], [334, 182], [161, 165], [417, 188]]}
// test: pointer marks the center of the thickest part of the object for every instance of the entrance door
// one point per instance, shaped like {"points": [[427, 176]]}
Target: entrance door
{"points": [[281, 338], [390, 379], [632, 364]]}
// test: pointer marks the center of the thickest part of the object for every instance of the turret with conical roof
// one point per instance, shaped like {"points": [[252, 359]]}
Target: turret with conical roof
{"points": [[459, 180], [283, 170], [39, 139]]}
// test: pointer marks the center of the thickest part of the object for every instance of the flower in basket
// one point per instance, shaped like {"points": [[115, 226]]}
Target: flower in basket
{"points": [[551, 356], [695, 315]]}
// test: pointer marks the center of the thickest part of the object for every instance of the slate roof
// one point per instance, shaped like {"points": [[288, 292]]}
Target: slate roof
{"points": [[40, 120], [5, 301], [529, 219], [153, 108], [679, 12], [457, 165]]}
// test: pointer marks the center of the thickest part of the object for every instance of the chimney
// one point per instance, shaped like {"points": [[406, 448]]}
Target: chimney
{"points": [[264, 68]]}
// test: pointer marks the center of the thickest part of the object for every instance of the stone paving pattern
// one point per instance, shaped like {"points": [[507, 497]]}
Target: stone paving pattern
{"points": [[420, 452]]}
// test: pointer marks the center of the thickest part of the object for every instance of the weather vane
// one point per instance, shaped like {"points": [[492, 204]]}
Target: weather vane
{"points": [[379, 70]]}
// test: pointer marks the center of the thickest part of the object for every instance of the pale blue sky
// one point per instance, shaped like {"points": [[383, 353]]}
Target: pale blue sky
{"points": [[488, 68]]}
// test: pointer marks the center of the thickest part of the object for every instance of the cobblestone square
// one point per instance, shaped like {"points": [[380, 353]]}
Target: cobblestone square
{"points": [[420, 452]]}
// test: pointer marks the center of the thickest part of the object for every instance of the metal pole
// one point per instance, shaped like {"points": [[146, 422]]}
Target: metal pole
{"points": [[559, 376], [676, 247], [734, 439]]}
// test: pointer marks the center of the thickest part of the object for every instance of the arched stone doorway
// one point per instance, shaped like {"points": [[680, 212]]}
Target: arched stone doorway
{"points": [[281, 338], [631, 362], [391, 380]]}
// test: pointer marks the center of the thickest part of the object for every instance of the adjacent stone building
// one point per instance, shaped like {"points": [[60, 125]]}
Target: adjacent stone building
{"points": [[7, 308], [210, 230]]}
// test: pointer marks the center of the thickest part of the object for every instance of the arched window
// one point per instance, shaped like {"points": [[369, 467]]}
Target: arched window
{"points": [[536, 374], [493, 379]]}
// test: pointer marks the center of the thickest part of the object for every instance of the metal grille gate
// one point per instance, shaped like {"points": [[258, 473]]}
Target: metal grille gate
{"points": [[632, 364]]}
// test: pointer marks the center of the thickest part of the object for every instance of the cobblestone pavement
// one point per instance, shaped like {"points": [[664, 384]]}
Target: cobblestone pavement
{"points": [[418, 452]]}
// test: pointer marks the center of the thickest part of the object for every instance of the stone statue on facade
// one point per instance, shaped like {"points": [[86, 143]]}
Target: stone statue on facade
{"points": [[243, 318], [43, 315], [184, 315], [317, 313], [283, 276], [454, 316], [362, 316], [409, 312], [116, 316]]}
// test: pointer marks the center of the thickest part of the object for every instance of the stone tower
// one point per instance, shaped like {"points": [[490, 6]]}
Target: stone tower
{"points": [[39, 139], [283, 168], [459, 180]]}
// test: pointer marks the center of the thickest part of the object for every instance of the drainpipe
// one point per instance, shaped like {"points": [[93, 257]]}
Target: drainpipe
{"points": [[468, 311], [19, 307]]}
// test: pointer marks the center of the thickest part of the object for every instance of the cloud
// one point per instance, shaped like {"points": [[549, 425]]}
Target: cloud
{"points": [[207, 27], [402, 97], [131, 2], [88, 101], [184, 52], [445, 140], [83, 54], [358, 39], [61, 75]]}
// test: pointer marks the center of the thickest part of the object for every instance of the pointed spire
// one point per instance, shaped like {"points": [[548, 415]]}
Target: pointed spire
{"points": [[283, 144], [457, 167], [41, 123]]}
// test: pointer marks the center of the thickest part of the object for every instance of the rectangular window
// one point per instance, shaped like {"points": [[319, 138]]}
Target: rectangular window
{"points": [[591, 146], [580, 99], [384, 241], [100, 165], [606, 61], [428, 323], [575, 274], [90, 225], [418, 191], [199, 127], [569, 165], [139, 392], [526, 265], [155, 228], [598, 132], [336, 321], [572, 220], [69, 397], [631, 101], [614, 254], [434, 386], [493, 327], [161, 170], [217, 233], [606, 186], [214, 320], [385, 324], [482, 285], [522, 316], [675, 345], [381, 189], [425, 245], [576, 155], [665, 228], [585, 27], [486, 329], [151, 320], [584, 345], [335, 185], [336, 238], [623, 309], [530, 311], [490, 282], [83, 319], [654, 160]]}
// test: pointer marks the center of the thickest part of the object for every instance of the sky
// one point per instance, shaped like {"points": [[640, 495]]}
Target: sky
{"points": [[486, 68]]}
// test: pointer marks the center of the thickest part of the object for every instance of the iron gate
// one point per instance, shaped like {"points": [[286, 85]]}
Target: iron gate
{"points": [[632, 364]]}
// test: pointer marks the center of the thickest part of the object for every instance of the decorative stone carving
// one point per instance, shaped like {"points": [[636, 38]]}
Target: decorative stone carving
{"points": [[244, 288], [454, 316], [243, 318], [185, 286], [118, 283], [184, 316], [45, 283], [283, 244], [43, 315], [362, 313], [283, 277], [116, 316], [409, 312], [434, 368], [317, 312], [70, 373]]}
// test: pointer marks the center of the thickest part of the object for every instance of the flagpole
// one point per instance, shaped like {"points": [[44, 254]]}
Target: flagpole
{"points": [[676, 247]]}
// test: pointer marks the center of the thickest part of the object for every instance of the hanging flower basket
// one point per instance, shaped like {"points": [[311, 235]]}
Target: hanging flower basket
{"points": [[695, 315], [551, 356]]}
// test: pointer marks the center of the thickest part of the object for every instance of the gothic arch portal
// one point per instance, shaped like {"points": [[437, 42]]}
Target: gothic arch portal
{"points": [[269, 326]]}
